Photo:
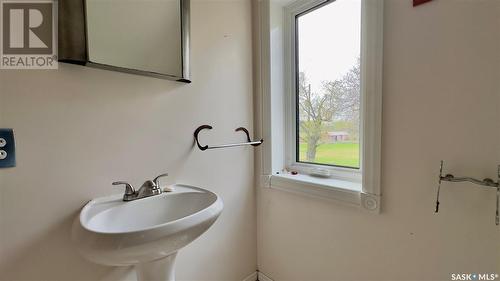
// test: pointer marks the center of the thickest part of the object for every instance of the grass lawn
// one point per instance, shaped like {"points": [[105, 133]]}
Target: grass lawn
{"points": [[341, 153]]}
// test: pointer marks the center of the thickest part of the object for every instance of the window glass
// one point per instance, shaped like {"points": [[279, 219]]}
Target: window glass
{"points": [[328, 84]]}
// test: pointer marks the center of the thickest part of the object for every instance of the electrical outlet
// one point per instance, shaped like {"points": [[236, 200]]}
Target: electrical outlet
{"points": [[7, 148]]}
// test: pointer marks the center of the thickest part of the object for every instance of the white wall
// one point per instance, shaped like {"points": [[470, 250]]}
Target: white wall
{"points": [[441, 101], [78, 129]]}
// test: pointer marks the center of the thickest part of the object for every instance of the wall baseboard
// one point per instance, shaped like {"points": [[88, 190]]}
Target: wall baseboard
{"points": [[262, 277], [252, 277], [257, 276]]}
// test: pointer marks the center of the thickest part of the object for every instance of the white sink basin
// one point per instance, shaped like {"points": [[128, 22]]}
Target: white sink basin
{"points": [[146, 232]]}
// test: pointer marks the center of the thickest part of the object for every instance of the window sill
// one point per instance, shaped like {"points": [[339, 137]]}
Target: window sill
{"points": [[324, 188]]}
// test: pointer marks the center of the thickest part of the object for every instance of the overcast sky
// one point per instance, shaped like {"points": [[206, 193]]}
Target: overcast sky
{"points": [[329, 41]]}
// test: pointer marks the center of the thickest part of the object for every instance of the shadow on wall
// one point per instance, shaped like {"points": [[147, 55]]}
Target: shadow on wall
{"points": [[64, 264]]}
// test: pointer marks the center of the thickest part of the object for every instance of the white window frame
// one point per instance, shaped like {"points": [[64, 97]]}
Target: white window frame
{"points": [[290, 14], [356, 186]]}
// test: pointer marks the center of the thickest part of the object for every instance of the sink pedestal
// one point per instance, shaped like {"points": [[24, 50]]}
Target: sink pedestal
{"points": [[158, 270]]}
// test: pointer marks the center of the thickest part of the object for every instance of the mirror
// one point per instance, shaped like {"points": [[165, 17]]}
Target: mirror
{"points": [[146, 37]]}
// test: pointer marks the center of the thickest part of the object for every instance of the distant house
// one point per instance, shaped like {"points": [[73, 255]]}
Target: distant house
{"points": [[338, 136]]}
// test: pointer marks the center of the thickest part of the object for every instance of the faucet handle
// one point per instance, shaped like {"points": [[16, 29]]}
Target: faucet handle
{"points": [[129, 189], [157, 179]]}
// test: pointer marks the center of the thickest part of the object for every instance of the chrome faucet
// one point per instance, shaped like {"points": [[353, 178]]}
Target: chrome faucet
{"points": [[148, 188]]}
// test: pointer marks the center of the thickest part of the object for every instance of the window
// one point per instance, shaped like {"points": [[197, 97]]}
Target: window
{"points": [[321, 84], [328, 84]]}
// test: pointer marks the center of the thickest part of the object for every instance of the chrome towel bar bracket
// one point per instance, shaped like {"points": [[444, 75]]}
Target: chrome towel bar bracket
{"points": [[208, 127], [487, 182]]}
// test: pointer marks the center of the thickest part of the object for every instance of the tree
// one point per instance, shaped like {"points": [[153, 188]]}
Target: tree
{"points": [[346, 92], [314, 109], [338, 99]]}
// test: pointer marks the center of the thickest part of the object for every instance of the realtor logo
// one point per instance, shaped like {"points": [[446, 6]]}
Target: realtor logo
{"points": [[28, 35]]}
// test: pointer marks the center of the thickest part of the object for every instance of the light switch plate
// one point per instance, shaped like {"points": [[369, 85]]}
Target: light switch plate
{"points": [[7, 148]]}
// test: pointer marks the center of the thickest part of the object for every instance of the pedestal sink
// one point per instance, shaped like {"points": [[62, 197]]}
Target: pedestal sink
{"points": [[145, 233]]}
